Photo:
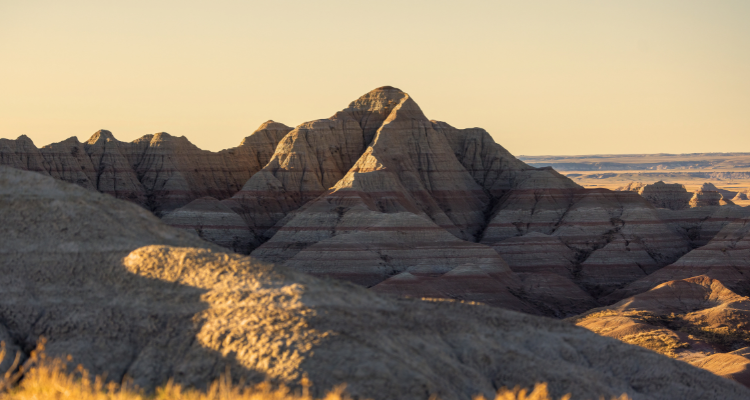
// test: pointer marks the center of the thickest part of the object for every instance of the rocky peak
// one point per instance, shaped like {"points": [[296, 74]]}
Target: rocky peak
{"points": [[25, 139], [271, 124], [100, 136], [165, 137], [373, 108]]}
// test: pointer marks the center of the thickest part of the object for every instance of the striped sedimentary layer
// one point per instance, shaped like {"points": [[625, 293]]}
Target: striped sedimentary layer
{"points": [[213, 221], [160, 172], [726, 257], [385, 197], [666, 195]]}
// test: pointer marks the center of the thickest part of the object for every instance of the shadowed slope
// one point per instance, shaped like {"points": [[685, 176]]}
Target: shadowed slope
{"points": [[725, 257], [697, 320]]}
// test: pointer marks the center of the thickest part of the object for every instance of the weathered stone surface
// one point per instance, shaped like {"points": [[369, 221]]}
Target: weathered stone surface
{"points": [[115, 175], [600, 239], [22, 154], [107, 282], [379, 190], [700, 224], [664, 195], [68, 161], [631, 187], [725, 257], [213, 221], [160, 172], [456, 180], [383, 137], [697, 320], [707, 196]]}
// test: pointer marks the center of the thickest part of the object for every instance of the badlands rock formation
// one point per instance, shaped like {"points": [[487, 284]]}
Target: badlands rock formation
{"points": [[709, 195], [160, 172], [697, 320], [213, 221], [353, 195], [107, 282], [380, 195], [631, 187], [725, 257], [740, 196], [664, 195]]}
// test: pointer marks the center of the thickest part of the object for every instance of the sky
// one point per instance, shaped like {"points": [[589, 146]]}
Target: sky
{"points": [[542, 77]]}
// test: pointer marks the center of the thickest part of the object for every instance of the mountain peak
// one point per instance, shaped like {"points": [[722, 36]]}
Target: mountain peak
{"points": [[101, 134], [387, 88], [374, 107], [381, 99], [271, 124]]}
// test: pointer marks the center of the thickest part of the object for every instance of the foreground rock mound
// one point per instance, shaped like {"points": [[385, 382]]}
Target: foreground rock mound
{"points": [[697, 320], [105, 281]]}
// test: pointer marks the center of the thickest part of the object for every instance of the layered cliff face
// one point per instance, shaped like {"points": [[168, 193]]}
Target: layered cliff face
{"points": [[599, 239], [124, 294], [664, 195], [384, 219], [697, 320], [213, 221], [709, 195], [385, 197], [160, 172], [726, 257]]}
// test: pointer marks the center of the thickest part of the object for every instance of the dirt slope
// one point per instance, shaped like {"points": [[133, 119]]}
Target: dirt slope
{"points": [[697, 320]]}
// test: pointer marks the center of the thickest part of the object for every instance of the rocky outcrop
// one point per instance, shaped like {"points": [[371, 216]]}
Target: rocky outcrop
{"points": [[724, 257], [707, 196], [740, 196], [631, 187], [363, 194], [107, 282], [599, 239], [379, 190], [664, 195], [697, 320], [160, 172]]}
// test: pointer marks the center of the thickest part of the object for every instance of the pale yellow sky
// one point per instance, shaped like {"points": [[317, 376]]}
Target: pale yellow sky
{"points": [[543, 77]]}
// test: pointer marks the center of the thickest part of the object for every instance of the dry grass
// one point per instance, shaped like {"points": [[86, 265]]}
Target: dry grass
{"points": [[732, 336], [661, 341], [50, 379]]}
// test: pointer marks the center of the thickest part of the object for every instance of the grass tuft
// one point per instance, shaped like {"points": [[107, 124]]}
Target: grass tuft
{"points": [[50, 379]]}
